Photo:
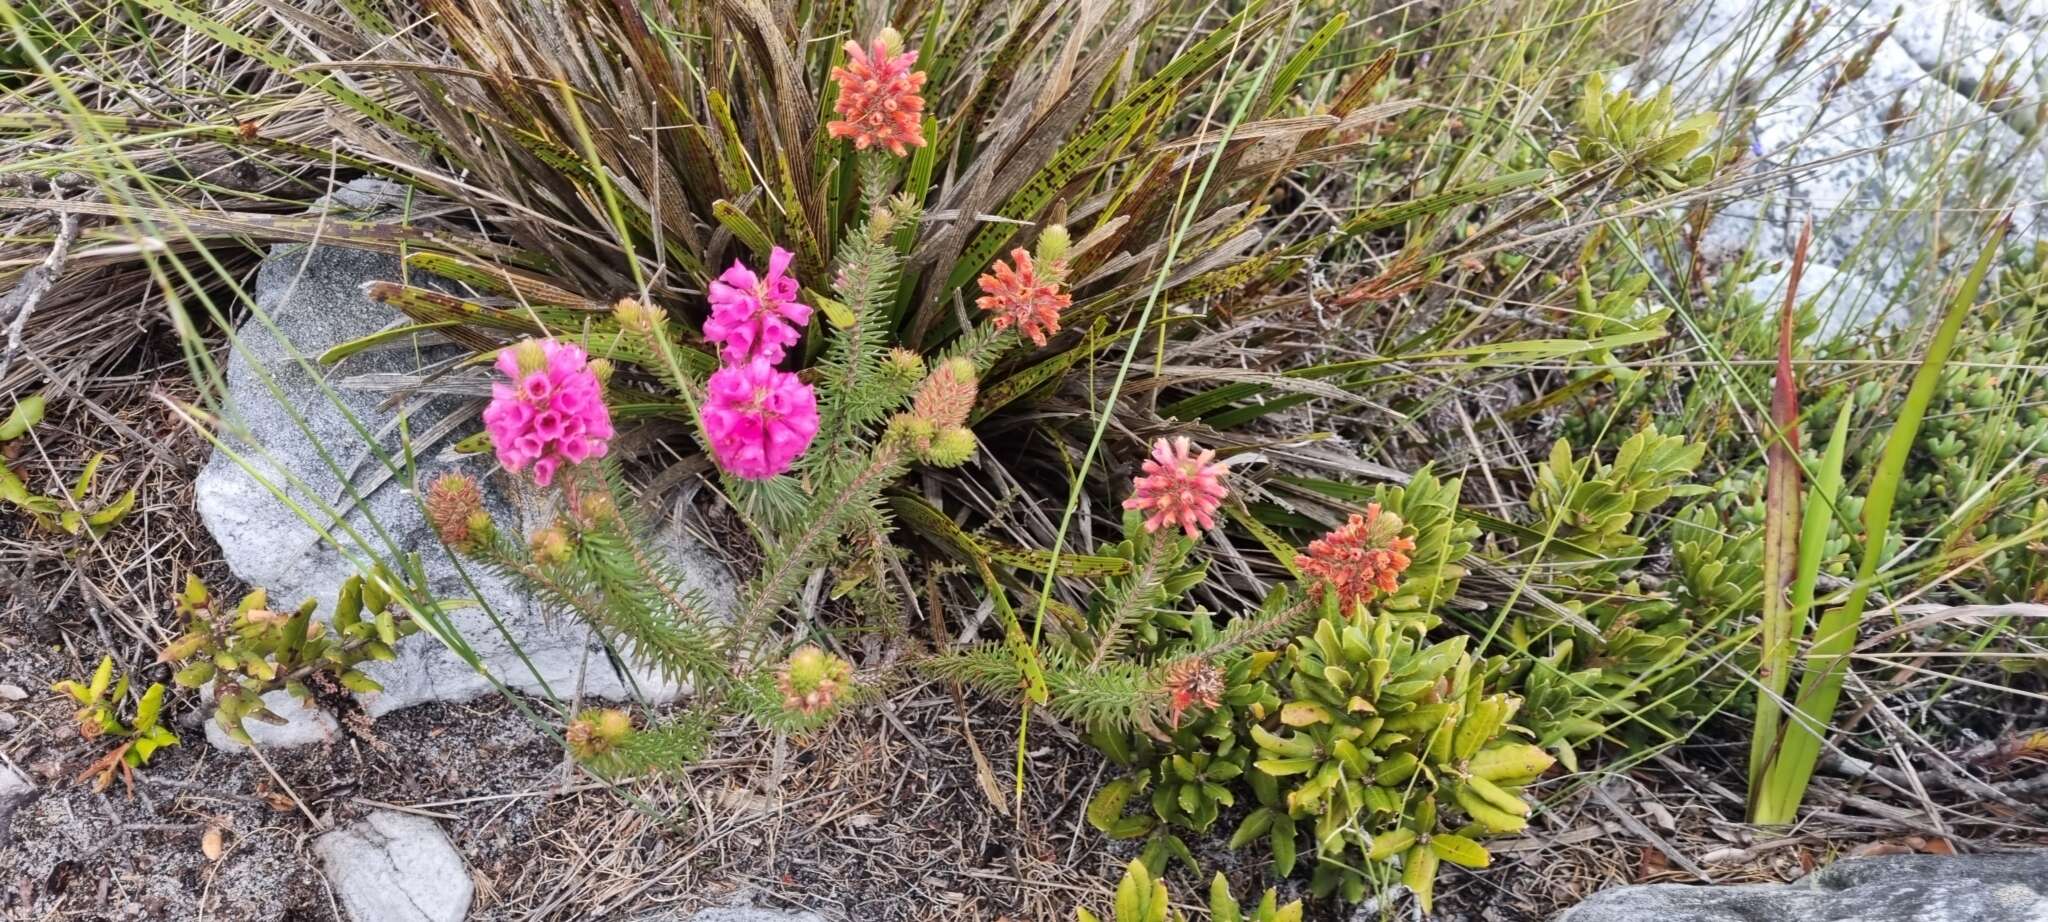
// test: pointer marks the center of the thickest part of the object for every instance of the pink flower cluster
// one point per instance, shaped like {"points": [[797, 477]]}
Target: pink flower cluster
{"points": [[751, 315], [1361, 559], [1179, 487], [758, 419], [552, 413]]}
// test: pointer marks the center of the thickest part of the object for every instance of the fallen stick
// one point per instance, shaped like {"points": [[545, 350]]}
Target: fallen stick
{"points": [[21, 303]]}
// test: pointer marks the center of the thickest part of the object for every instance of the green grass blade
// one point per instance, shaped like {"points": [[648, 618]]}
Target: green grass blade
{"points": [[1781, 524], [1820, 686]]}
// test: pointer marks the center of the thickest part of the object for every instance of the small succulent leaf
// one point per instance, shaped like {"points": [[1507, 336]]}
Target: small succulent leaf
{"points": [[149, 708], [194, 675], [83, 485], [1418, 872], [359, 683], [26, 413], [102, 679], [1459, 850], [1222, 908]]}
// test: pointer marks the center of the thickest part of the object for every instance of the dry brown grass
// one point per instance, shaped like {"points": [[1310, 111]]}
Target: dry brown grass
{"points": [[879, 818]]}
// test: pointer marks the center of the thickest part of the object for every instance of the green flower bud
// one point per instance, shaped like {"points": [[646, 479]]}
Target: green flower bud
{"points": [[951, 447], [455, 507], [915, 431], [551, 546], [530, 356], [1053, 243], [904, 369], [891, 40], [635, 317]]}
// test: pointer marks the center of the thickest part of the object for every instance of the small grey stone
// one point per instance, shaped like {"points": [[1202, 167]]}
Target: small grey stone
{"points": [[303, 726], [750, 914], [290, 428], [1896, 888], [368, 194], [15, 790], [395, 867], [14, 783], [11, 692]]}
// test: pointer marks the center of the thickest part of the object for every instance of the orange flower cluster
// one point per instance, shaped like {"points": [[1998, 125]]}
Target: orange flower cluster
{"points": [[1361, 559], [1020, 296]]}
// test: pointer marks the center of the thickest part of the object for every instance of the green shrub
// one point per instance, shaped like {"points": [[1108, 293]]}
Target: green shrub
{"points": [[1141, 897], [248, 650], [136, 737]]}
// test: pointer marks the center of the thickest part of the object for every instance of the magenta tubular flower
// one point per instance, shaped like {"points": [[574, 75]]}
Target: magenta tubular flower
{"points": [[1179, 488], [755, 316], [758, 419], [551, 412]]}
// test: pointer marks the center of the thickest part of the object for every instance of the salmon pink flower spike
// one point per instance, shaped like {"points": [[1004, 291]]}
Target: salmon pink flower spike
{"points": [[1022, 298], [758, 419], [752, 315], [878, 96], [551, 413], [1361, 559], [1179, 487]]}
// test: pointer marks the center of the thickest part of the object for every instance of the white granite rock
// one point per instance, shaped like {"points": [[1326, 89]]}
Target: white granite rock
{"points": [[395, 867], [1878, 161], [286, 422], [1900, 888]]}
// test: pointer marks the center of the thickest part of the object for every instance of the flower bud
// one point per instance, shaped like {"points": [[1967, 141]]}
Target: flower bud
{"points": [[904, 369], [948, 394], [951, 447], [551, 546], [530, 356], [811, 680], [602, 368], [614, 724], [913, 430], [1053, 243], [596, 732], [881, 223], [455, 508], [891, 40], [1192, 682], [596, 506], [635, 317]]}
